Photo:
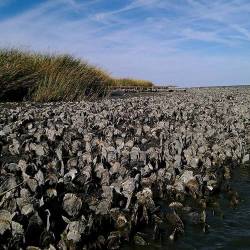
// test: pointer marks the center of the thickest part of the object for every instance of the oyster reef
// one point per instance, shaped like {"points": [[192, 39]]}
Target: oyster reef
{"points": [[94, 175]]}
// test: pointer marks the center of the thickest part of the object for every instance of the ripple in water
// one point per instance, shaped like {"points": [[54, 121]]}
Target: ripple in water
{"points": [[229, 227]]}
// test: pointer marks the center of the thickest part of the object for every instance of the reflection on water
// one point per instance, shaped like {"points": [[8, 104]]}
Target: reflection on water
{"points": [[229, 227]]}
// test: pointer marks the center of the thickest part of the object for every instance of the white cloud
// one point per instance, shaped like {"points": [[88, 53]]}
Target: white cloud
{"points": [[152, 48]]}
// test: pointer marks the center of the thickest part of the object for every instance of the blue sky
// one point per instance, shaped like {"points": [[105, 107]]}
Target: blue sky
{"points": [[186, 42]]}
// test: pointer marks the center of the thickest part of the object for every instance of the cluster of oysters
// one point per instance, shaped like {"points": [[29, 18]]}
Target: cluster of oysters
{"points": [[84, 175]]}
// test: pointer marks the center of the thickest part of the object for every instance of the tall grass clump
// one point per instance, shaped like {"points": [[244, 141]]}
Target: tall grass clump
{"points": [[39, 77], [130, 82], [17, 74]]}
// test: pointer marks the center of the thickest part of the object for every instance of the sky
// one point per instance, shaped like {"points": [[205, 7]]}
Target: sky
{"points": [[182, 42]]}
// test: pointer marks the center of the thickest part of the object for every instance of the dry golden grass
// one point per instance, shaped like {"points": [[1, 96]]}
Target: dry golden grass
{"points": [[130, 82], [39, 77]]}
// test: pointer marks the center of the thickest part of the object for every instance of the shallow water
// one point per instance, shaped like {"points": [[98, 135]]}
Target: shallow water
{"points": [[229, 227]]}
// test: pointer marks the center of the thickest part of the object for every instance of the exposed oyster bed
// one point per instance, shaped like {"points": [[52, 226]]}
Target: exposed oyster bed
{"points": [[91, 175]]}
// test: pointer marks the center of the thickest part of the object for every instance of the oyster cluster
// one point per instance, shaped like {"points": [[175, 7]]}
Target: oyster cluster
{"points": [[84, 175]]}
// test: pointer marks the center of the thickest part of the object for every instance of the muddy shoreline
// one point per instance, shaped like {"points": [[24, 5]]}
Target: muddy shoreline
{"points": [[84, 175]]}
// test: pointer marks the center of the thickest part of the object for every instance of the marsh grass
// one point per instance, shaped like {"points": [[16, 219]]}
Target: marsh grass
{"points": [[39, 77], [43, 78], [130, 82]]}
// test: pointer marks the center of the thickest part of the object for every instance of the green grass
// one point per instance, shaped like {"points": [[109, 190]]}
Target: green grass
{"points": [[44, 78]]}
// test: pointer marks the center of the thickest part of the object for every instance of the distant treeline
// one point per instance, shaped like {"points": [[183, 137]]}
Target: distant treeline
{"points": [[44, 77]]}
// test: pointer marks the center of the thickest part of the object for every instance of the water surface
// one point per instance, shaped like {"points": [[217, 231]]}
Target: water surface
{"points": [[229, 227]]}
